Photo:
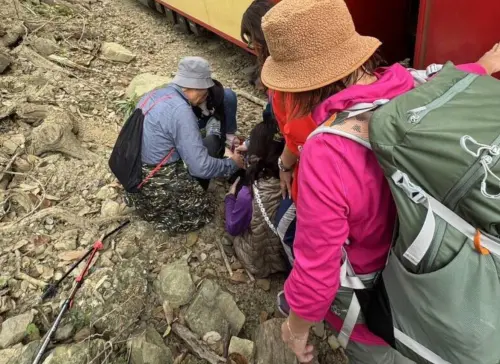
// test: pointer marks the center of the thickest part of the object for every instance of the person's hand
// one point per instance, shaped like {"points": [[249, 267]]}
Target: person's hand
{"points": [[286, 183], [297, 343], [232, 190], [241, 149], [491, 60], [238, 159]]}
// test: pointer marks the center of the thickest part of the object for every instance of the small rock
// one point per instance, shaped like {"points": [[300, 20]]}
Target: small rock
{"points": [[4, 280], [44, 46], [175, 284], [75, 353], [106, 193], [241, 346], [149, 348], [263, 316], [144, 83], [191, 239], [64, 333], [212, 338], [236, 265], [13, 329], [83, 334], [14, 33], [213, 310], [22, 165], [127, 248], [264, 284], [203, 257], [319, 329], [68, 240], [333, 342], [239, 277], [110, 208], [5, 62], [13, 143], [209, 273], [116, 52]]}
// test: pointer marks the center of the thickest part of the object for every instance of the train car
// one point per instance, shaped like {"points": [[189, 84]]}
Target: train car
{"points": [[424, 31]]}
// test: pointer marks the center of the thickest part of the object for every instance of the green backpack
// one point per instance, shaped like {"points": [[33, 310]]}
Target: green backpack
{"points": [[439, 147]]}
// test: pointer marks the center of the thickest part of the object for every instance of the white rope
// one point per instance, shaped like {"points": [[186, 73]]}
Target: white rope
{"points": [[263, 210]]}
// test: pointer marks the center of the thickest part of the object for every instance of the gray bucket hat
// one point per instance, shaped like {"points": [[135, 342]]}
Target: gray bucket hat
{"points": [[194, 72]]}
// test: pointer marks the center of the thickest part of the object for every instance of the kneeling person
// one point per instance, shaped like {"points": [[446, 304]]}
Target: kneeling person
{"points": [[174, 197]]}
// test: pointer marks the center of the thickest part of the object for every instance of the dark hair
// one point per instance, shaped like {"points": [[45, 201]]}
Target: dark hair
{"points": [[306, 101], [263, 152], [251, 28]]}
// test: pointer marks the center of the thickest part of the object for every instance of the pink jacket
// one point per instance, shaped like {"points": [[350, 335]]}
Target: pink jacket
{"points": [[343, 195]]}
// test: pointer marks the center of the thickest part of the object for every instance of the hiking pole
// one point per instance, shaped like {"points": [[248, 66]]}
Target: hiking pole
{"points": [[68, 303], [51, 290]]}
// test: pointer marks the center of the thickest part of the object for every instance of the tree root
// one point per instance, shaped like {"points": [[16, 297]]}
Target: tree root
{"points": [[57, 134], [64, 215]]}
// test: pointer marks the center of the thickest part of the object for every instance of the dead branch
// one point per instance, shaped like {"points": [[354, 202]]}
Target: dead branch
{"points": [[39, 61], [68, 63], [196, 346], [24, 277], [251, 98], [224, 256], [63, 215], [9, 165], [40, 200]]}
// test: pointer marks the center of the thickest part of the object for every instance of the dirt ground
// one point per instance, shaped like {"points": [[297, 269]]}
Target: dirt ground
{"points": [[57, 198]]}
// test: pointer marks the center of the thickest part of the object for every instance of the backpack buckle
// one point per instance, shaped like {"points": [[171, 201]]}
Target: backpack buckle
{"points": [[414, 192]]}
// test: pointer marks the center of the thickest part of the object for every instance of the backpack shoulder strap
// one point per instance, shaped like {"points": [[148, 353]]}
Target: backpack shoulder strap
{"points": [[352, 123]]}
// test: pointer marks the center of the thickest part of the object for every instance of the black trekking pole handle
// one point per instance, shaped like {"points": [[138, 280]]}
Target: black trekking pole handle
{"points": [[51, 289], [68, 303]]}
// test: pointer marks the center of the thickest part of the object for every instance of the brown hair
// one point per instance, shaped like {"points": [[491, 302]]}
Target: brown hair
{"points": [[306, 101], [251, 29]]}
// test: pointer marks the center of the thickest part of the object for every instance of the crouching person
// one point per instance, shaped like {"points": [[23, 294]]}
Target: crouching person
{"points": [[177, 162], [251, 206]]}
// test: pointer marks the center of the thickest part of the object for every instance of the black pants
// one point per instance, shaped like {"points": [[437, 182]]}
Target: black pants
{"points": [[215, 147]]}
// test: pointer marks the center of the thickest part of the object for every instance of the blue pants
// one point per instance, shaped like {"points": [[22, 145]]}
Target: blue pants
{"points": [[230, 108]]}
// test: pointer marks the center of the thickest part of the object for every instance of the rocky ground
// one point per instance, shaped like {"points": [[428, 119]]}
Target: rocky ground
{"points": [[66, 72]]}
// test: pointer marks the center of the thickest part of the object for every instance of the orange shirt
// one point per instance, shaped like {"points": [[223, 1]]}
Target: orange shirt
{"points": [[295, 131]]}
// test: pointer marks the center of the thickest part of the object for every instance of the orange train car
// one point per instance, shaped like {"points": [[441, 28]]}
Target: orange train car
{"points": [[424, 31]]}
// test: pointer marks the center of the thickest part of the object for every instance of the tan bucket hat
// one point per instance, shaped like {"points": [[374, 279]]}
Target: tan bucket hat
{"points": [[312, 43]]}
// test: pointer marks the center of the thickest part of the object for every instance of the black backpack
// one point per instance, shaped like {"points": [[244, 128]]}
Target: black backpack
{"points": [[125, 160]]}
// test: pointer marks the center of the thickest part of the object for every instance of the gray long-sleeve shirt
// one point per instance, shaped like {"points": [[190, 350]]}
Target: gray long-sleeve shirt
{"points": [[171, 123]]}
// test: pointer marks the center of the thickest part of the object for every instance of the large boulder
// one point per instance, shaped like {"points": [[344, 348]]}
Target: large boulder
{"points": [[174, 284], [13, 329], [113, 298], [116, 52], [213, 309], [20, 354], [5, 62], [269, 347], [81, 353], [149, 348], [144, 83]]}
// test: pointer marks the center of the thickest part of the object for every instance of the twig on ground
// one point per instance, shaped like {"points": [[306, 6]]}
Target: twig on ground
{"points": [[40, 201], [224, 257], [24, 277], [251, 98], [181, 357], [11, 162], [196, 346], [69, 63], [250, 275]]}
